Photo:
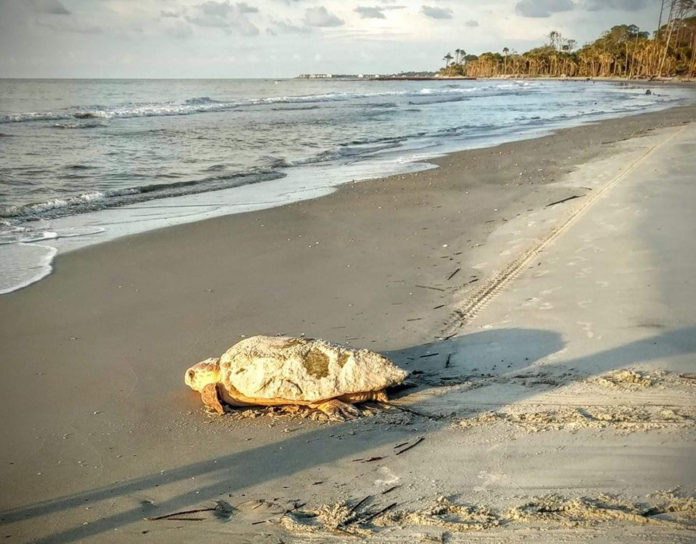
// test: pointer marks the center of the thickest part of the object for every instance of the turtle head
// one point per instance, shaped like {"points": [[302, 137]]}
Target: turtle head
{"points": [[203, 373]]}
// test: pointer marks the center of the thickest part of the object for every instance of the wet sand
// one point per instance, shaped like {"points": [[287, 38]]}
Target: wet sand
{"points": [[100, 430]]}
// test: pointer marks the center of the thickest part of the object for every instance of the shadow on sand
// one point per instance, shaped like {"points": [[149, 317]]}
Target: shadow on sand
{"points": [[498, 351]]}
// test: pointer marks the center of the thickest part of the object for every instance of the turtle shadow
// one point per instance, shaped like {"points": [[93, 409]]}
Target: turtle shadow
{"points": [[488, 352], [513, 352], [493, 351]]}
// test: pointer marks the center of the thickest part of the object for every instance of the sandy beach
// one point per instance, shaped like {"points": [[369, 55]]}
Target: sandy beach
{"points": [[541, 290]]}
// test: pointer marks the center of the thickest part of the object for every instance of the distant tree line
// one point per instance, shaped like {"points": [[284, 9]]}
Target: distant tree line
{"points": [[623, 51]]}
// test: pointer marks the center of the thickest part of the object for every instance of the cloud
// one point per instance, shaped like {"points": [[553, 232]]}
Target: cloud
{"points": [[471, 23], [319, 16], [620, 5], [226, 16], [370, 12], [53, 7], [375, 12], [172, 14], [436, 13], [52, 17], [69, 25], [179, 30], [243, 7], [542, 8], [285, 26]]}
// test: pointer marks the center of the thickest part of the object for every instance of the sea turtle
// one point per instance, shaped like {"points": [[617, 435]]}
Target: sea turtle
{"points": [[276, 371]]}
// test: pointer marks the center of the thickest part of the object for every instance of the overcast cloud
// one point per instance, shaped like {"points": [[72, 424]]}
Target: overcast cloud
{"points": [[53, 7], [621, 5], [321, 17], [370, 12], [437, 13], [281, 38], [542, 8]]}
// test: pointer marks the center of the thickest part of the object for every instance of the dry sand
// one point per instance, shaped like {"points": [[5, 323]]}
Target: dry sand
{"points": [[100, 432]]}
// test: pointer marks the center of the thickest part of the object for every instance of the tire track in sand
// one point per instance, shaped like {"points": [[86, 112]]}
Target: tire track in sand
{"points": [[481, 298]]}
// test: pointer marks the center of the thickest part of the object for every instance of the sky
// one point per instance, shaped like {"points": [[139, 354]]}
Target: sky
{"points": [[283, 38]]}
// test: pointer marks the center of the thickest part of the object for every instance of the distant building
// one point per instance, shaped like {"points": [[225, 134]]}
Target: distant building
{"points": [[316, 76], [340, 76]]}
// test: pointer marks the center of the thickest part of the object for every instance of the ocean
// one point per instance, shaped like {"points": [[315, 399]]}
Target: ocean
{"points": [[86, 161]]}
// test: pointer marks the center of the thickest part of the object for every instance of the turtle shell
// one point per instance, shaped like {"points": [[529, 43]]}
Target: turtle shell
{"points": [[302, 369]]}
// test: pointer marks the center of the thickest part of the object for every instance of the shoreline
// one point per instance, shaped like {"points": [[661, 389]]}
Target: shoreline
{"points": [[102, 344], [417, 168], [64, 234], [675, 80]]}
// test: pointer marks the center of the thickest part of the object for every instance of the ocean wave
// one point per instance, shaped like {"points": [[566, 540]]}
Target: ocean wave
{"points": [[271, 161], [216, 167], [387, 105], [296, 108], [79, 167], [33, 116], [39, 209], [39, 237], [98, 200], [29, 233], [200, 100], [365, 150], [90, 115], [427, 101], [352, 149], [206, 104], [394, 139], [88, 125], [451, 89]]}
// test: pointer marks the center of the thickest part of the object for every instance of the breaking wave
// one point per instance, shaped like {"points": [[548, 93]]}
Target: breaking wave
{"points": [[98, 200]]}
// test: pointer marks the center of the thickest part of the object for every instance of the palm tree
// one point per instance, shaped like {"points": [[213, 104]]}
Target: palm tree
{"points": [[662, 11], [555, 39], [447, 58], [506, 52], [678, 9], [569, 45]]}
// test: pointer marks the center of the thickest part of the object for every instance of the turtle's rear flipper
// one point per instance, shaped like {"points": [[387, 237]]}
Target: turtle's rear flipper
{"points": [[212, 399], [337, 410]]}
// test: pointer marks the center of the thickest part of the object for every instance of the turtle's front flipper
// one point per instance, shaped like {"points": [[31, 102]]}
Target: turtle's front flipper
{"points": [[337, 410], [212, 399]]}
